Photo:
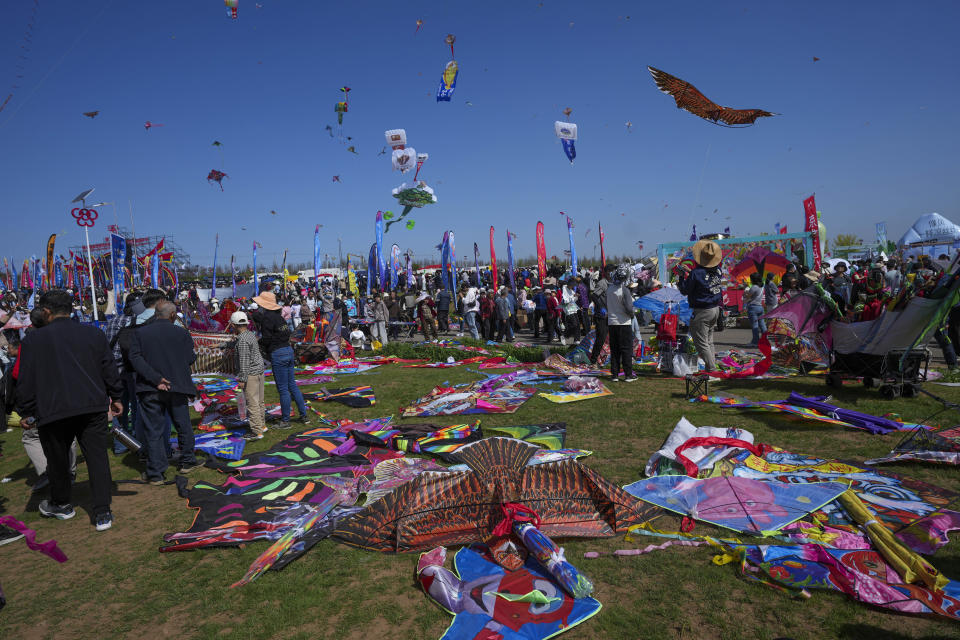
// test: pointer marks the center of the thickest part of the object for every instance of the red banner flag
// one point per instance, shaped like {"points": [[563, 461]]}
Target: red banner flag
{"points": [[810, 224], [541, 254], [783, 229], [603, 256], [493, 260]]}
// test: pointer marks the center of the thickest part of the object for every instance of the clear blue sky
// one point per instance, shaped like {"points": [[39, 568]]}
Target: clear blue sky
{"points": [[871, 127]]}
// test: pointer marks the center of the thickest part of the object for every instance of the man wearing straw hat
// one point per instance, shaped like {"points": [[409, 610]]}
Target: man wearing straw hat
{"points": [[703, 290]]}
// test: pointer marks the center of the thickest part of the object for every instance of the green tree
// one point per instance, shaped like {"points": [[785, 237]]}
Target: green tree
{"points": [[846, 240]]}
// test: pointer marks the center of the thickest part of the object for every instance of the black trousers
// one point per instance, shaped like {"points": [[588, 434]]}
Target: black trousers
{"points": [[621, 347], [541, 315], [159, 408], [600, 338], [56, 438], [443, 320]]}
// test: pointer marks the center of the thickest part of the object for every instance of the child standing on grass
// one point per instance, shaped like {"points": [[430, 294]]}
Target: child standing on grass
{"points": [[250, 374]]}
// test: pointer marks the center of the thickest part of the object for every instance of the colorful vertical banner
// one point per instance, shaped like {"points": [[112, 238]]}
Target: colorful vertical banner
{"points": [[453, 264], [118, 251], [213, 285], [513, 284], [381, 259], [693, 234], [58, 271], [394, 266], [493, 261], [316, 257], [11, 279], [573, 250], [541, 254], [37, 274], [411, 280], [233, 278], [445, 260], [155, 269], [882, 235], [352, 279], [476, 264], [50, 242], [603, 256], [811, 224], [371, 266]]}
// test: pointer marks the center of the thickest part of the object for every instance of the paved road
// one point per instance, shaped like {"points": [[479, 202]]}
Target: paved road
{"points": [[727, 339]]}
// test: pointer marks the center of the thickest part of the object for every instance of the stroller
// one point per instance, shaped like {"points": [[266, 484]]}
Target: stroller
{"points": [[889, 350]]}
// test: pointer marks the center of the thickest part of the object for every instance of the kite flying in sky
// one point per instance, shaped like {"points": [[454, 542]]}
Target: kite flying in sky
{"points": [[419, 24], [688, 97], [448, 81], [231, 8], [91, 114], [217, 176], [148, 124]]}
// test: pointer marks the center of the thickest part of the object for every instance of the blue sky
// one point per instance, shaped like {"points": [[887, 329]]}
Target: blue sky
{"points": [[870, 127]]}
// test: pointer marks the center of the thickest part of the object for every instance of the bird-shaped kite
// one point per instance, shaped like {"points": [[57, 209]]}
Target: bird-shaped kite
{"points": [[629, 127], [689, 98], [816, 59], [336, 178], [91, 114], [382, 151], [566, 112], [272, 212], [352, 149], [217, 176], [147, 125]]}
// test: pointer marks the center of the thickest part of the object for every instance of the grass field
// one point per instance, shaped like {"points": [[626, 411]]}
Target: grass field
{"points": [[117, 585]]}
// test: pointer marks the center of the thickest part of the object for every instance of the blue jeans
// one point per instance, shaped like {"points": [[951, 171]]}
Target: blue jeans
{"points": [[282, 364], [158, 408], [757, 325], [471, 320]]}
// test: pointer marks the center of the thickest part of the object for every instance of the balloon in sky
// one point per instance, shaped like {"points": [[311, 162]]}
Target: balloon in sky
{"points": [[567, 132], [231, 8]]}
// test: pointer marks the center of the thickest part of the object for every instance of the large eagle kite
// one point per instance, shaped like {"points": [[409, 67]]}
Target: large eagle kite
{"points": [[689, 98]]}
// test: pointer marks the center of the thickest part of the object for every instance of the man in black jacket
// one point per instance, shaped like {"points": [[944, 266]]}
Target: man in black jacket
{"points": [[66, 381], [161, 353]]}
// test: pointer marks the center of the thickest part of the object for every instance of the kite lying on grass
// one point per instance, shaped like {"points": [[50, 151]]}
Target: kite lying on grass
{"points": [[489, 602], [434, 509]]}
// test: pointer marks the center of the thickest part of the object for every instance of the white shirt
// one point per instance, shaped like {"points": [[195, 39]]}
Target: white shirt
{"points": [[356, 338]]}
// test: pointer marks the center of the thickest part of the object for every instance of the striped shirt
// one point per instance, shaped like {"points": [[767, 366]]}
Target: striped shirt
{"points": [[249, 360]]}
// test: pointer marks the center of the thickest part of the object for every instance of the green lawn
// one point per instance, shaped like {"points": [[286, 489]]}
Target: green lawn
{"points": [[116, 584]]}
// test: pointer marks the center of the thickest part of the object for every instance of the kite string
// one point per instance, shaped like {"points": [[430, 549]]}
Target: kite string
{"points": [[56, 65], [703, 172]]}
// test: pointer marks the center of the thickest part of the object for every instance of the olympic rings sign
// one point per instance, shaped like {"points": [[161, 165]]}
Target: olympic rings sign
{"points": [[84, 217]]}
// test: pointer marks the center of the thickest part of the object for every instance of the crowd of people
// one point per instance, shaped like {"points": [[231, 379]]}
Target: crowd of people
{"points": [[73, 383]]}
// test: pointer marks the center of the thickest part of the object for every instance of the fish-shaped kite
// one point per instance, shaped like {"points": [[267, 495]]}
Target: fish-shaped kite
{"points": [[689, 98]]}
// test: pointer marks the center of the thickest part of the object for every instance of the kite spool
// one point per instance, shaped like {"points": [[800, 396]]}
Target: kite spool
{"points": [[697, 385]]}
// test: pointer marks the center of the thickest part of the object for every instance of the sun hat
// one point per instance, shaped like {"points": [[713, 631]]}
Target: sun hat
{"points": [[239, 318], [267, 300], [707, 253]]}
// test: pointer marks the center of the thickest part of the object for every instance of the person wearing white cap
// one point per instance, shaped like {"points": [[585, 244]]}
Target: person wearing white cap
{"points": [[249, 373]]}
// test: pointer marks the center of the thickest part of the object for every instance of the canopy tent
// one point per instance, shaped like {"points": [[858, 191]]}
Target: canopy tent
{"points": [[657, 302], [935, 232]]}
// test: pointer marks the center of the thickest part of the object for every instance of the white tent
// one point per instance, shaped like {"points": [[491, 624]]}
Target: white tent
{"points": [[931, 228]]}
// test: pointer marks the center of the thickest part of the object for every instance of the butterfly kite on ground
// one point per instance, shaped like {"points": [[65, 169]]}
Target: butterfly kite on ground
{"points": [[217, 176], [689, 98]]}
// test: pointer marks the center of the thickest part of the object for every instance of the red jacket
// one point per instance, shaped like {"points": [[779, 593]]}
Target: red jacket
{"points": [[553, 306]]}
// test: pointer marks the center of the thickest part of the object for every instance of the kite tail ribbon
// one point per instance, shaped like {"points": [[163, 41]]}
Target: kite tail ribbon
{"points": [[691, 467], [48, 548], [514, 512]]}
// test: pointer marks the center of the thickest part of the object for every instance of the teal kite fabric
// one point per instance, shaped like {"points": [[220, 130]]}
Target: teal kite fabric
{"points": [[740, 504], [489, 602]]}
